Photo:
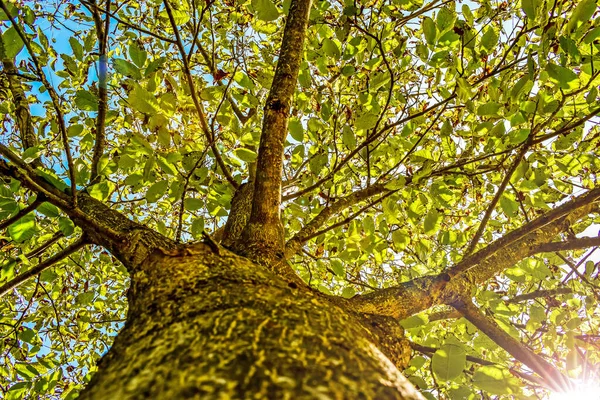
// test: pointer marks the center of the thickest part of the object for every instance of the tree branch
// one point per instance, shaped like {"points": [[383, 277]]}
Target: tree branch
{"points": [[23, 118], [492, 205], [9, 221], [44, 246], [130, 25], [38, 269], [571, 244], [430, 350], [102, 33], [422, 293], [199, 110], [362, 145], [53, 96], [553, 378], [213, 70], [264, 228], [129, 241], [295, 243], [540, 293]]}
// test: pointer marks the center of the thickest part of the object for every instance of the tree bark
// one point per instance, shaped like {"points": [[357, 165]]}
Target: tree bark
{"points": [[208, 325]]}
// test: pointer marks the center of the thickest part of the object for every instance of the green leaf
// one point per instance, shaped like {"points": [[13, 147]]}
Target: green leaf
{"points": [[12, 10], [12, 43], [592, 95], [582, 13], [86, 101], [401, 239], [126, 68], [331, 48], [23, 229], [8, 207], [77, 48], [138, 55], [489, 40], [429, 30], [156, 191], [101, 190], [366, 121], [265, 10], [530, 8], [166, 166], [143, 101], [432, 222], [198, 227], [180, 17], [449, 362], [193, 204], [348, 292], [491, 379], [509, 206], [296, 130], [490, 108], [414, 321], [84, 298], [75, 130], [245, 154], [562, 75], [445, 19], [348, 137], [592, 35], [66, 226], [338, 268], [133, 179]]}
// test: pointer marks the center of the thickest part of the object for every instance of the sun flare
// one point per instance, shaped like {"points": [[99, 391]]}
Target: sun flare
{"points": [[585, 392]]}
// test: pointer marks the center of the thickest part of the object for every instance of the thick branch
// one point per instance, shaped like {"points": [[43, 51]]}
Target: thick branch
{"points": [[443, 315], [554, 378], [53, 96], [421, 293], [128, 241], [38, 269], [264, 229]]}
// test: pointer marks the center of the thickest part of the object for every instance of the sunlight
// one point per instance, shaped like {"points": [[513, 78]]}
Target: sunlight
{"points": [[583, 392]]}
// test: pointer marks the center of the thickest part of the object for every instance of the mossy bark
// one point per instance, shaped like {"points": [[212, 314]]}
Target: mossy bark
{"points": [[207, 325]]}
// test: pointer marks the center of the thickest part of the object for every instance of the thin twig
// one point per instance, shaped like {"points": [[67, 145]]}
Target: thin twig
{"points": [[197, 105], [492, 205], [19, 279], [131, 25], [7, 222]]}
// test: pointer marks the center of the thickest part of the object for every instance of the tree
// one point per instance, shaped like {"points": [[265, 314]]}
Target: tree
{"points": [[265, 199]]}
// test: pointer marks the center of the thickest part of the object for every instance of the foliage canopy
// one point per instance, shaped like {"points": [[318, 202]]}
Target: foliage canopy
{"points": [[420, 132]]}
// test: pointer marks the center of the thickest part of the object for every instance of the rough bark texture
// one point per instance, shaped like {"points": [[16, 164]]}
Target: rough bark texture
{"points": [[204, 325], [263, 236], [241, 207]]}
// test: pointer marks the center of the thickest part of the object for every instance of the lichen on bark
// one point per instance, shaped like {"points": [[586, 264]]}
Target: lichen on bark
{"points": [[203, 325]]}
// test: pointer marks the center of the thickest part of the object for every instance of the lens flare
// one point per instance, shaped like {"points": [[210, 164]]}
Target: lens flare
{"points": [[582, 392]]}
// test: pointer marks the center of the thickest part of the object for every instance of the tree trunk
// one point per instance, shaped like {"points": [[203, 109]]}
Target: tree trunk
{"points": [[205, 323]]}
